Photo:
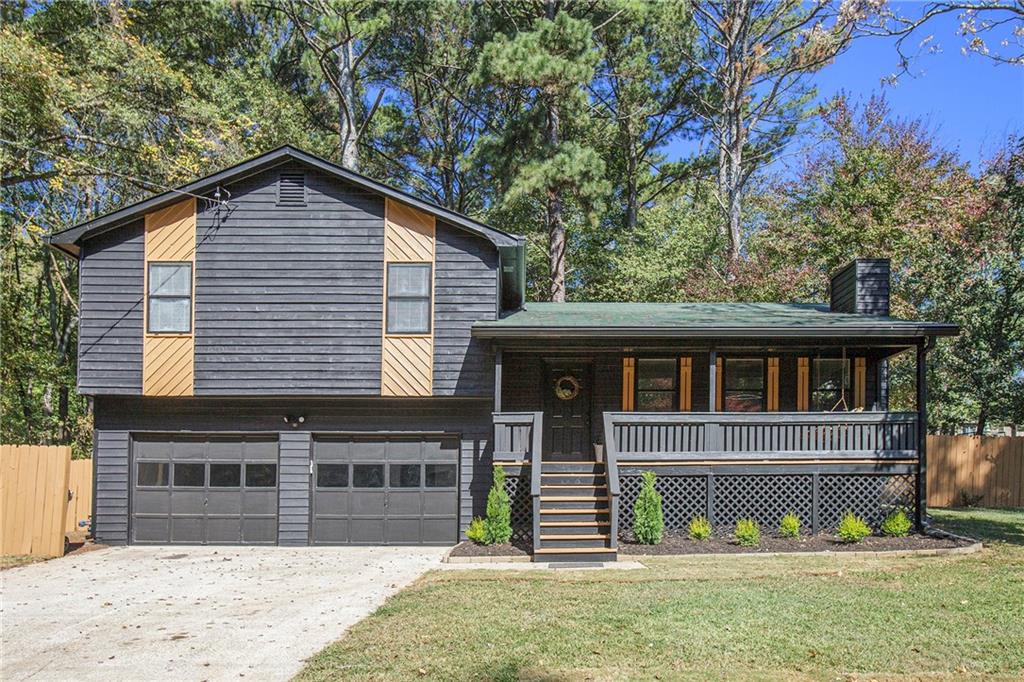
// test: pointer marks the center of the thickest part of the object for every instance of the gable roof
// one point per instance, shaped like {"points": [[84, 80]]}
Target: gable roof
{"points": [[719, 320], [70, 240]]}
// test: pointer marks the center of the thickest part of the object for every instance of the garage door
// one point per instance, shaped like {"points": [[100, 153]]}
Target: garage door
{"points": [[204, 490], [385, 490]]}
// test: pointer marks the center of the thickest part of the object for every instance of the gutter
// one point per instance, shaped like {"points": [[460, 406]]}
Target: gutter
{"points": [[590, 332]]}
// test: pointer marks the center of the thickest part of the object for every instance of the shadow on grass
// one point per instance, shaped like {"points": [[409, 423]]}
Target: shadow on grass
{"points": [[988, 525]]}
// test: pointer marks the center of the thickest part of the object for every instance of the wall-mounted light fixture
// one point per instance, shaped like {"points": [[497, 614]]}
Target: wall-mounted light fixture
{"points": [[294, 420]]}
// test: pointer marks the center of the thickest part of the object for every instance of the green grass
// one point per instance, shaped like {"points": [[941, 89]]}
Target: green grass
{"points": [[15, 560], [694, 618]]}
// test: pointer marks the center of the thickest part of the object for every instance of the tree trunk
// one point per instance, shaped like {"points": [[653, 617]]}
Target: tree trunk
{"points": [[347, 128], [556, 225], [732, 134], [979, 429]]}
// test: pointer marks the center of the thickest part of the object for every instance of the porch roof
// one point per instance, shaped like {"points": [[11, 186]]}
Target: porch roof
{"points": [[718, 320]]}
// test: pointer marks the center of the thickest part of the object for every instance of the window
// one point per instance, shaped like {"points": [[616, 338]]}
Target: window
{"points": [[189, 475], [409, 298], [830, 382], [405, 475], [260, 475], [170, 298], [439, 475], [152, 473], [225, 475], [330, 475], [367, 475], [743, 385], [656, 385]]}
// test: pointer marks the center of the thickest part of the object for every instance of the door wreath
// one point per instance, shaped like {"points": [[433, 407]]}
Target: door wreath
{"points": [[567, 387]]}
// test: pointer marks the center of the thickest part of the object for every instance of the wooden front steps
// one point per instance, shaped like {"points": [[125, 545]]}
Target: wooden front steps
{"points": [[574, 510]]}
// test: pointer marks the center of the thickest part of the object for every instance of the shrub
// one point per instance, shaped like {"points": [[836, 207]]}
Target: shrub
{"points": [[477, 531], [789, 527], [748, 533], [648, 522], [498, 526], [896, 524], [700, 528], [852, 528]]}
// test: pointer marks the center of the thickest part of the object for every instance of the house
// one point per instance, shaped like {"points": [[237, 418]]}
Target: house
{"points": [[287, 352]]}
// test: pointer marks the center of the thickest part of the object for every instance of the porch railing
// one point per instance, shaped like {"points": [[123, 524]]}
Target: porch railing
{"points": [[518, 436], [758, 436]]}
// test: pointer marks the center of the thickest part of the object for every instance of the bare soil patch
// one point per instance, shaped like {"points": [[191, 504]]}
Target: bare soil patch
{"points": [[678, 542]]}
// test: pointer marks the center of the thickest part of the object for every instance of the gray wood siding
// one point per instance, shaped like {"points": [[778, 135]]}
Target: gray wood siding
{"points": [[466, 290], [111, 298], [117, 417], [861, 287], [294, 488], [110, 452], [289, 299]]}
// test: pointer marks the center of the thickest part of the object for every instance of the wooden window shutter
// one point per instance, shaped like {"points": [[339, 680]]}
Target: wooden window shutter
{"points": [[803, 384], [860, 383], [719, 383], [628, 384], [685, 384], [773, 385]]}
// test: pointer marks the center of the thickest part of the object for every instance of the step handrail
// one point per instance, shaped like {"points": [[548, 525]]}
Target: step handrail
{"points": [[536, 464], [611, 472]]}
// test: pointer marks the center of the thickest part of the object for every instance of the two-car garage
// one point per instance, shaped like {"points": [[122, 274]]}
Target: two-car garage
{"points": [[224, 489]]}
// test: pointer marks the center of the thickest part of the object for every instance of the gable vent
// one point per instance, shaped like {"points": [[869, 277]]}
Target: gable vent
{"points": [[291, 189]]}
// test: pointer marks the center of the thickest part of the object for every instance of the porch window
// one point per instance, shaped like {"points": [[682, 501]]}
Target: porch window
{"points": [[743, 385], [830, 383], [656, 384]]}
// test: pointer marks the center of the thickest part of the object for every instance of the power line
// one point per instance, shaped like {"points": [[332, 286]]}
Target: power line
{"points": [[106, 171]]}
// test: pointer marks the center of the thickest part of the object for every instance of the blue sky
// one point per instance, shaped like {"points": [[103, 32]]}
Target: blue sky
{"points": [[970, 102]]}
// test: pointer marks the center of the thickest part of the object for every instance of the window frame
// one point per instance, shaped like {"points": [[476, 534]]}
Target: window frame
{"points": [[725, 382], [167, 474], [674, 390], [189, 463], [209, 475], [150, 297], [814, 387], [428, 297], [245, 476]]}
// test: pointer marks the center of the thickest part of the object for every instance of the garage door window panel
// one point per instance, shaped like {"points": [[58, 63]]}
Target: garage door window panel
{"points": [[260, 475], [405, 475], [367, 475], [189, 475], [440, 475], [225, 475], [331, 475], [153, 474]]}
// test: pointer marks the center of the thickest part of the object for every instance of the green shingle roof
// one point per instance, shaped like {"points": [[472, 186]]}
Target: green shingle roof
{"points": [[697, 319]]}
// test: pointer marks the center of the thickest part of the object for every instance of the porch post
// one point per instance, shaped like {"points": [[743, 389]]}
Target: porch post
{"points": [[713, 383], [497, 380], [922, 434]]}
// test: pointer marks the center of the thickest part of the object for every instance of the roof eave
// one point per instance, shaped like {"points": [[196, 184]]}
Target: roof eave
{"points": [[545, 332], [72, 236]]}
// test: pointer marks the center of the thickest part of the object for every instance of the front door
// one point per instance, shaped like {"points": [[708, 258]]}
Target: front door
{"points": [[567, 394]]}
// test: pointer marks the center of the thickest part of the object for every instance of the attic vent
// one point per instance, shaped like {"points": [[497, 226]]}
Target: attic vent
{"points": [[291, 189]]}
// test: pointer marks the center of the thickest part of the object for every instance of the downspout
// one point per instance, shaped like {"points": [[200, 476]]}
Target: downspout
{"points": [[922, 432]]}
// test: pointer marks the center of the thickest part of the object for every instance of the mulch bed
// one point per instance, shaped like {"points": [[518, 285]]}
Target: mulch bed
{"points": [[678, 542], [472, 549]]}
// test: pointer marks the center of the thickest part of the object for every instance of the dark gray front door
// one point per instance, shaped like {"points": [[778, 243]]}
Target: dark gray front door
{"points": [[200, 490], [400, 490], [567, 412]]}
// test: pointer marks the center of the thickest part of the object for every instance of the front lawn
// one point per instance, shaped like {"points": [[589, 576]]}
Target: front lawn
{"points": [[737, 618]]}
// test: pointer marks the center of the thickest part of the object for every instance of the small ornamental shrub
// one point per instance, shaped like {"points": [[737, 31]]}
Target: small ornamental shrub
{"points": [[789, 527], [648, 522], [852, 528], [896, 524], [477, 531], [748, 533], [498, 526], [700, 528]]}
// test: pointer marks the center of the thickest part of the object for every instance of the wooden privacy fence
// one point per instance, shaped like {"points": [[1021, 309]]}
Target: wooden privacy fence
{"points": [[43, 497], [981, 470]]}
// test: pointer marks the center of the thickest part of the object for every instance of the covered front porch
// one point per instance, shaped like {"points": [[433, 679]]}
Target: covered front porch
{"points": [[753, 423]]}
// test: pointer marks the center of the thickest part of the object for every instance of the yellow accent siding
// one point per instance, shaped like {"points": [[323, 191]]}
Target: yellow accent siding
{"points": [[628, 384], [407, 360], [168, 360]]}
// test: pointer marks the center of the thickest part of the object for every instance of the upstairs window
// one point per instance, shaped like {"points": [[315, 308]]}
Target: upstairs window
{"points": [[170, 298], [408, 305], [830, 383], [656, 384], [743, 385]]}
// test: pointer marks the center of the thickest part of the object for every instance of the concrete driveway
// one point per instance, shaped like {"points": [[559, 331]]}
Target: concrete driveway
{"points": [[192, 613]]}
